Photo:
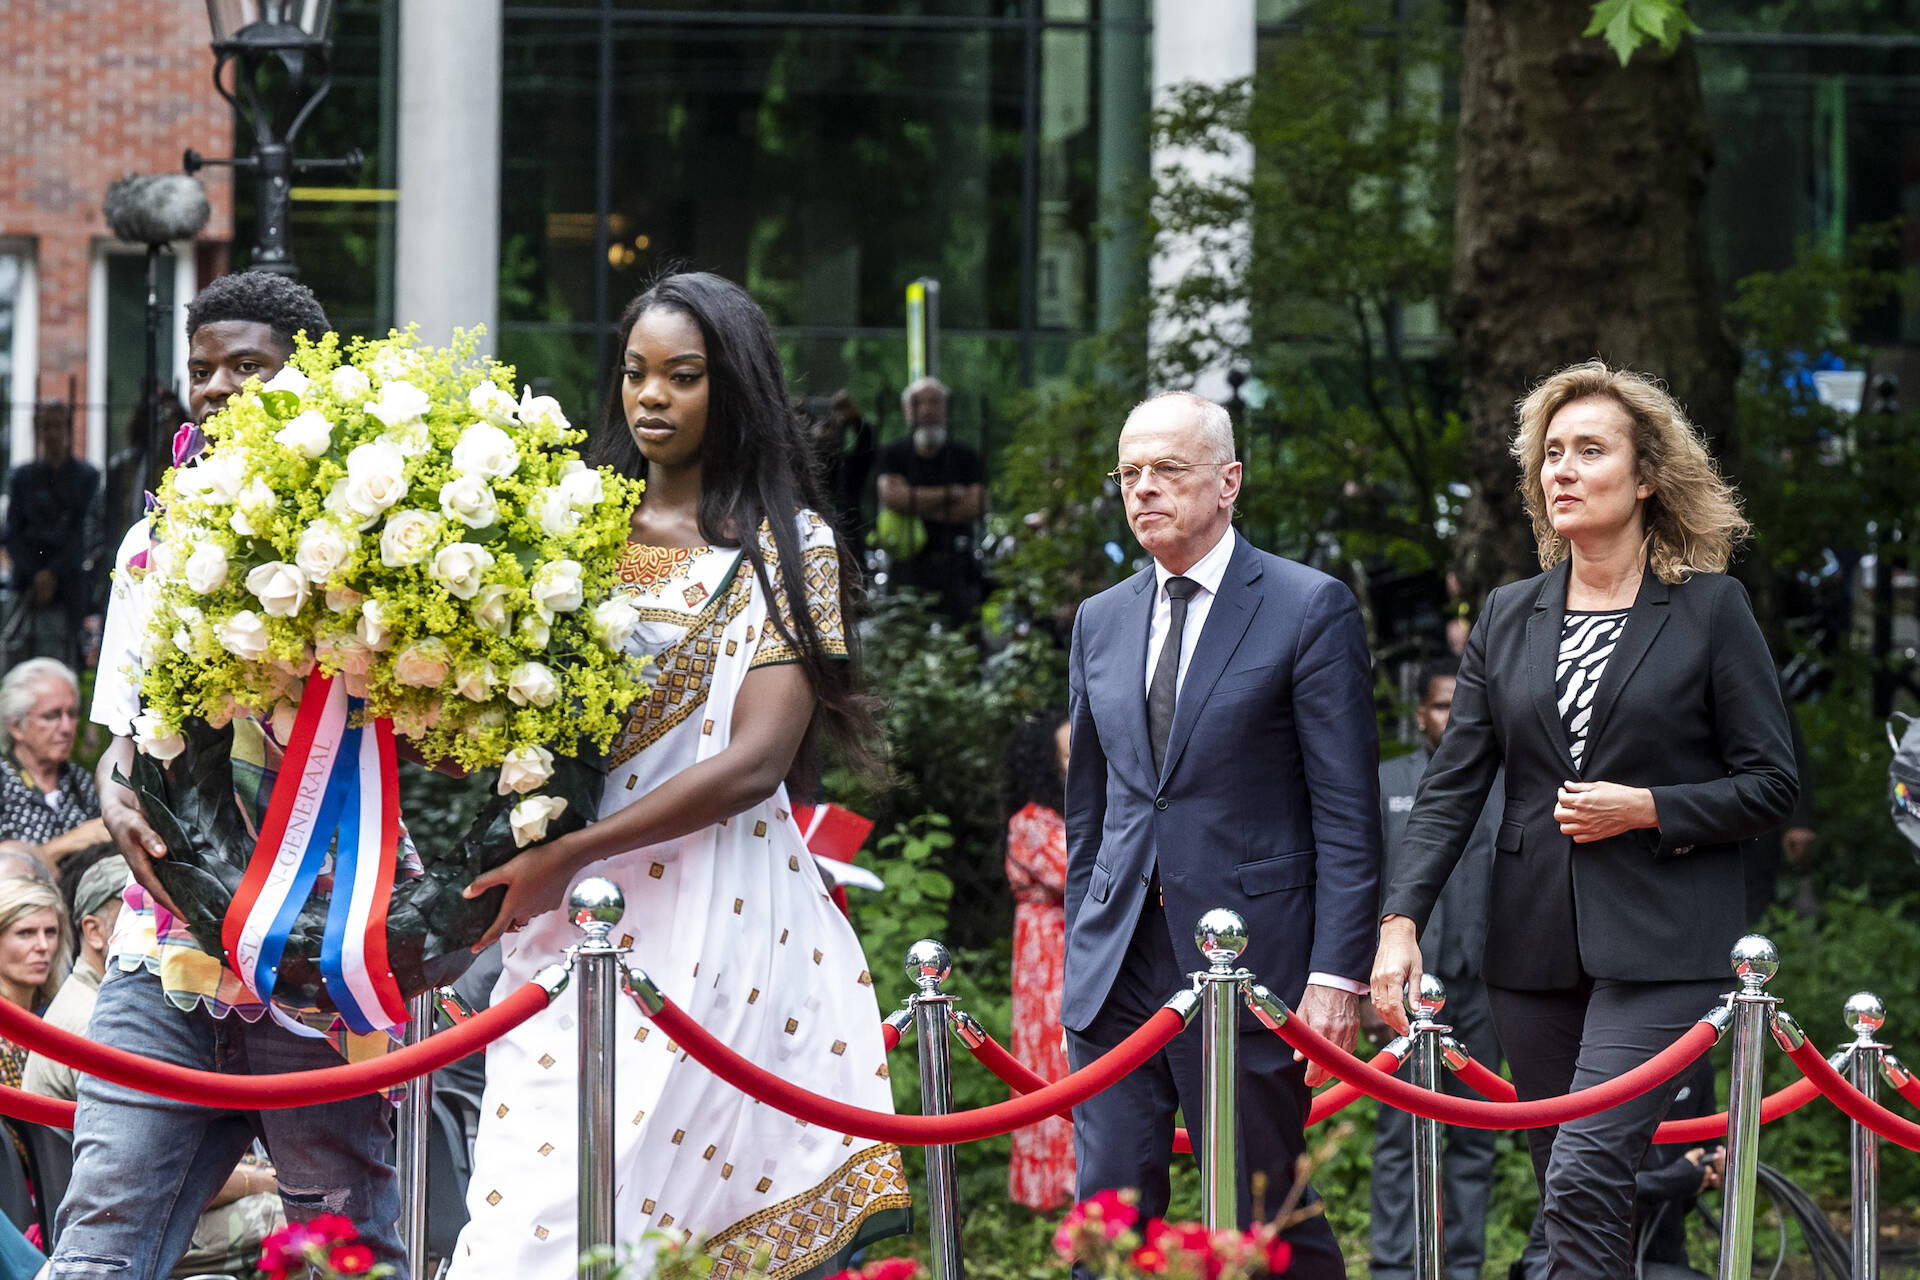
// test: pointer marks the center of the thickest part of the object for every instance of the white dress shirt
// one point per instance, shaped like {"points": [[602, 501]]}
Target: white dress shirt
{"points": [[1207, 572]]}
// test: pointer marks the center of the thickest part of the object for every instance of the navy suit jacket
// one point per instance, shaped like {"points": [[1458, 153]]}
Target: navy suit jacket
{"points": [[1268, 800]]}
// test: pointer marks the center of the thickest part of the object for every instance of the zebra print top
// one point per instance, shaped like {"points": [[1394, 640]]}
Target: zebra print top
{"points": [[1587, 640]]}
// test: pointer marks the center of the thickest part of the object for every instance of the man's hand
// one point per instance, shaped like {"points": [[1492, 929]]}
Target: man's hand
{"points": [[1335, 1014], [1396, 969], [1590, 811], [139, 843]]}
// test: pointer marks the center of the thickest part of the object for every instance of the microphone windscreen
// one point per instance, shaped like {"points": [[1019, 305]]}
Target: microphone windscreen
{"points": [[157, 209]]}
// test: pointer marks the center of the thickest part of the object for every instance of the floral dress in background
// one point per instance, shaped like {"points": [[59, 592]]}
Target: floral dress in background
{"points": [[1042, 1171]]}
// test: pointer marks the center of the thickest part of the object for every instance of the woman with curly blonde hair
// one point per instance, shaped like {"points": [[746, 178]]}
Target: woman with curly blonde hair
{"points": [[36, 949], [1632, 702]]}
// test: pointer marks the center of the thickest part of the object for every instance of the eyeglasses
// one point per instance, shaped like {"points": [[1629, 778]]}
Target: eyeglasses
{"points": [[1171, 470]]}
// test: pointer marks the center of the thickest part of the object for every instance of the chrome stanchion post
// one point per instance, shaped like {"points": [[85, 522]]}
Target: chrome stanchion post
{"points": [[1754, 962], [410, 1144], [597, 905], [1865, 1016], [1221, 936], [927, 967], [1429, 1243]]}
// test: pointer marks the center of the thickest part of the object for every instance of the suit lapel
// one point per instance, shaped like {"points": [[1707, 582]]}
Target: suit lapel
{"points": [[1136, 626], [1543, 658], [1227, 620], [1644, 620]]}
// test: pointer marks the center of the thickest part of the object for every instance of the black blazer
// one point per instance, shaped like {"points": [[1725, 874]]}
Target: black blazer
{"points": [[1688, 706]]}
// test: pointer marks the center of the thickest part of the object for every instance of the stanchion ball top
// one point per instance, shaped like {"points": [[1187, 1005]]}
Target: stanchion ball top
{"points": [[1431, 998], [596, 900], [1221, 936], [1755, 959], [1865, 1014], [928, 964]]}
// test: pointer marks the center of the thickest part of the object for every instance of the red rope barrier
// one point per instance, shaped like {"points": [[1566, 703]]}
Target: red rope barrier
{"points": [[284, 1089], [968, 1126], [31, 1107], [1481, 1079], [1782, 1102], [1474, 1114], [1910, 1090], [1332, 1101], [1857, 1106]]}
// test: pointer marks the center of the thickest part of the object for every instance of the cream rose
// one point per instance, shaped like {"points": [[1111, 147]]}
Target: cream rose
{"points": [[300, 668], [343, 651], [322, 552], [550, 512], [556, 586], [536, 628], [486, 450], [341, 599], [411, 438], [372, 627], [424, 664], [310, 433], [221, 476], [151, 739], [581, 487], [530, 817], [189, 629], [376, 479], [408, 539], [532, 684], [206, 568], [351, 385], [244, 635], [489, 402], [490, 610], [280, 588], [525, 769], [460, 567], [399, 404], [469, 499], [542, 413], [252, 507], [476, 683], [289, 380], [613, 623]]}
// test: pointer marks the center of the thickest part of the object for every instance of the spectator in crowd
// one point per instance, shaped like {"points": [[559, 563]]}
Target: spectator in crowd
{"points": [[846, 459], [932, 490], [35, 946], [1451, 946], [20, 861], [246, 1210], [46, 799], [54, 537], [1033, 796]]}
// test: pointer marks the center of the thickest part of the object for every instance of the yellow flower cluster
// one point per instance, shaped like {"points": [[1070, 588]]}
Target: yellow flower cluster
{"points": [[393, 515]]}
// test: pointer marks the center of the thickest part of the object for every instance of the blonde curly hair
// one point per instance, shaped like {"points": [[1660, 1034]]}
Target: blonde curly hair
{"points": [[1693, 519]]}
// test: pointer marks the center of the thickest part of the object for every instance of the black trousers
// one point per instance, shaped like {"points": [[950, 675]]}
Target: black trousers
{"points": [[1123, 1137], [1559, 1041]]}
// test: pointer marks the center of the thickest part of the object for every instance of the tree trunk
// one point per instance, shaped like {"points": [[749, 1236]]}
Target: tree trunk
{"points": [[1580, 232]]}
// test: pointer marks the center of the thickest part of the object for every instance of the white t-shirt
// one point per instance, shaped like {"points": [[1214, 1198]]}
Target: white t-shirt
{"points": [[116, 686]]}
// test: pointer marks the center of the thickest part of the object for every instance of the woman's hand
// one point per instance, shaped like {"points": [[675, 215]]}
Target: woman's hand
{"points": [[1396, 969], [536, 882], [1590, 811]]}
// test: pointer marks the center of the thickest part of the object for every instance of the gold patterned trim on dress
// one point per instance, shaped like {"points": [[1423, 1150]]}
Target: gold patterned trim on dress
{"points": [[801, 1230], [653, 567], [681, 672], [820, 572]]}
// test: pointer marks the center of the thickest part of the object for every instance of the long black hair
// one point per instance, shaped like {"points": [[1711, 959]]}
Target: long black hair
{"points": [[1030, 770], [757, 463]]}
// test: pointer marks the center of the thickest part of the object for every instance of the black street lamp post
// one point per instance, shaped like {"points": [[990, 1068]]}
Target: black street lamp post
{"points": [[274, 47]]}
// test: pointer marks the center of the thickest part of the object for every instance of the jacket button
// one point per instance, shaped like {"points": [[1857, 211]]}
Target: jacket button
{"points": [[1145, 879], [1160, 803]]}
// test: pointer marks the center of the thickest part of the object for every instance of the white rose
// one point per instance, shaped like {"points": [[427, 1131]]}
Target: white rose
{"points": [[372, 627], [542, 413], [469, 499], [411, 438], [491, 403], [351, 385], [220, 476], [393, 363], [486, 450], [423, 664], [244, 635], [556, 586], [408, 539], [376, 479], [151, 739], [613, 622], [289, 380], [536, 628], [582, 488], [322, 552], [476, 683], [344, 651], [532, 684], [189, 625], [206, 568], [550, 511], [280, 588], [490, 610], [459, 568], [531, 816], [340, 599], [399, 403], [523, 770], [310, 433], [169, 559]]}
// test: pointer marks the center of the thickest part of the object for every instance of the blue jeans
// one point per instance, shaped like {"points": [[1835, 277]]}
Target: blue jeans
{"points": [[145, 1166]]}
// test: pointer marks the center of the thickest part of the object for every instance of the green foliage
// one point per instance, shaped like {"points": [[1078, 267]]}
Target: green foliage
{"points": [[1628, 24]]}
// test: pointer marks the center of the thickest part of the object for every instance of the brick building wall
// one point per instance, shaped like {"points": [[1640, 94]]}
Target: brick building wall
{"points": [[90, 91]]}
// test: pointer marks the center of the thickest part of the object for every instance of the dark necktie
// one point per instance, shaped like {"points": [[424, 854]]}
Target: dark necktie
{"points": [[1166, 672]]}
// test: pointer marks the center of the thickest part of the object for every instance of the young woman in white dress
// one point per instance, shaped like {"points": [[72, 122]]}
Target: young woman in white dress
{"points": [[743, 610]]}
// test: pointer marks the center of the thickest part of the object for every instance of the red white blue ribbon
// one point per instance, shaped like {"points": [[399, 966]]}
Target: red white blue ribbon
{"points": [[336, 792]]}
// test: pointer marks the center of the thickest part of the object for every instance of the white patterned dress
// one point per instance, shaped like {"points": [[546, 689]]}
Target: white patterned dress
{"points": [[734, 924]]}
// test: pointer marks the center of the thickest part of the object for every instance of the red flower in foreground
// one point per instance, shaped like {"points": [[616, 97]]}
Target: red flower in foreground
{"points": [[351, 1259], [884, 1269], [334, 1228]]}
